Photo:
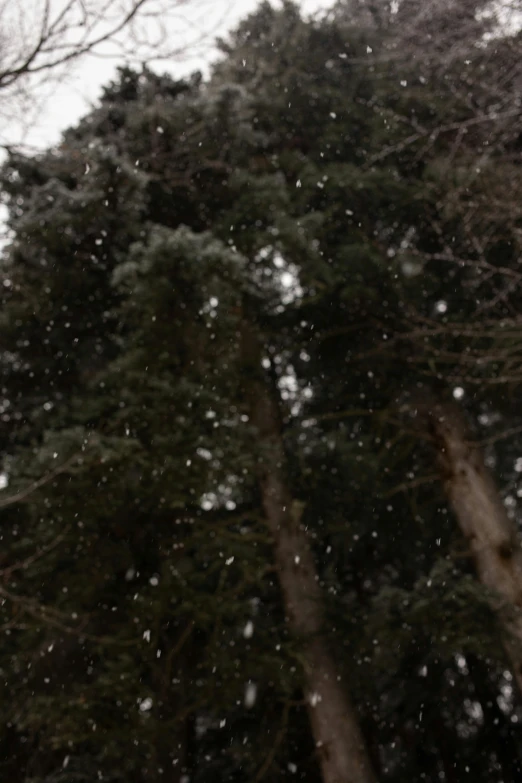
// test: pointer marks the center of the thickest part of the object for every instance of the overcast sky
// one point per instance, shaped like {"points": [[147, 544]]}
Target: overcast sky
{"points": [[82, 84]]}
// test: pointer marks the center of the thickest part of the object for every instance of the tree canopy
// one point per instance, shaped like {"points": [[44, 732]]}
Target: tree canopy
{"points": [[232, 311]]}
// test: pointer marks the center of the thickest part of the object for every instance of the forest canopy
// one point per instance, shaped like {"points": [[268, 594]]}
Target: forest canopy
{"points": [[260, 404]]}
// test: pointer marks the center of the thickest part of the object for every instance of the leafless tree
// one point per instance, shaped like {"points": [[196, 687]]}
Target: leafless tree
{"points": [[41, 41]]}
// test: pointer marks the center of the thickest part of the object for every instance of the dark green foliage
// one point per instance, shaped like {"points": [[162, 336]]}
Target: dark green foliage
{"points": [[140, 604]]}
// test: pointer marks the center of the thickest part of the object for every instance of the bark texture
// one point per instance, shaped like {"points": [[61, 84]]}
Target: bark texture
{"points": [[341, 748], [482, 517]]}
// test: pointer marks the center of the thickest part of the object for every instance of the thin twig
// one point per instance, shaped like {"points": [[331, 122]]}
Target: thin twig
{"points": [[41, 482], [275, 747], [6, 572]]}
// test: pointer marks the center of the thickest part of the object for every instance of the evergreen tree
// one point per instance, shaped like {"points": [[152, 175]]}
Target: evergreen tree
{"points": [[220, 301]]}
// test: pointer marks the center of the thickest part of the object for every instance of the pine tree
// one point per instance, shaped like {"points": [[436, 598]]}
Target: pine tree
{"points": [[157, 623]]}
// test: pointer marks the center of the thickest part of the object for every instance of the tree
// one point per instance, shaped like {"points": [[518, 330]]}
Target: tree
{"points": [[149, 262], [165, 228], [491, 535], [333, 719], [43, 40]]}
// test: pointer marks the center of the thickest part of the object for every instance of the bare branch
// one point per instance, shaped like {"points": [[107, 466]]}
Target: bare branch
{"points": [[41, 41], [23, 494]]}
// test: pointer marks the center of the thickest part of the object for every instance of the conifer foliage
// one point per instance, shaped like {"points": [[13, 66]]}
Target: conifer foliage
{"points": [[230, 311]]}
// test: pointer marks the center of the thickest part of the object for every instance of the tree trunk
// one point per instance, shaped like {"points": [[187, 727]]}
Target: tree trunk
{"points": [[342, 753], [482, 517]]}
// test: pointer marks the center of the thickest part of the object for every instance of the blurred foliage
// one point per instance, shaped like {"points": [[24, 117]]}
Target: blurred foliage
{"points": [[143, 636]]}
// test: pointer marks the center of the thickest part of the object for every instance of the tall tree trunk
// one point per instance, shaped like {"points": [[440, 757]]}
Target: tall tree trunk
{"points": [[483, 520], [342, 753]]}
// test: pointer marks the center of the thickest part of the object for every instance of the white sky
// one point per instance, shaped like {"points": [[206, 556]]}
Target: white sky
{"points": [[81, 85]]}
